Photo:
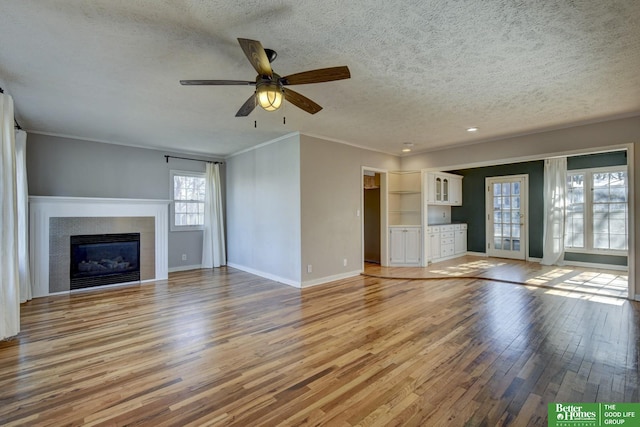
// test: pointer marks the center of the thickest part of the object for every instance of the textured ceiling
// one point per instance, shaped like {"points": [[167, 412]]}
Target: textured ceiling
{"points": [[422, 71]]}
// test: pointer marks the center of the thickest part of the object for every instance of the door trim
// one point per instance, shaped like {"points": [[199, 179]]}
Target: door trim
{"points": [[524, 209]]}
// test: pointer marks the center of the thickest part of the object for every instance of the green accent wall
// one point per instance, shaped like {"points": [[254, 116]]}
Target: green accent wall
{"points": [[473, 210], [596, 258], [600, 160]]}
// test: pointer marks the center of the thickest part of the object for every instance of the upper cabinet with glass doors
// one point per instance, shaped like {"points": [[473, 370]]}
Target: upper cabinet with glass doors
{"points": [[444, 189]]}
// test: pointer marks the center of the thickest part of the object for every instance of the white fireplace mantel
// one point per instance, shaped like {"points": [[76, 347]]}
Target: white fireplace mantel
{"points": [[42, 208]]}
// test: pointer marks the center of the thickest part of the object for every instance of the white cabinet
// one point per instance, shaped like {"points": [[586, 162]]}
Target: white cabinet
{"points": [[433, 244], [405, 218], [460, 239], [404, 245], [434, 188], [446, 241], [444, 189], [455, 191]]}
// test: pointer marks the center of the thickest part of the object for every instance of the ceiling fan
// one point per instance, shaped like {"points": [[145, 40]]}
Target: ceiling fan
{"points": [[270, 87]]}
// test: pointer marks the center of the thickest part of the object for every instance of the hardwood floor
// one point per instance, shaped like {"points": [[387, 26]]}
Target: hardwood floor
{"points": [[223, 347], [567, 279]]}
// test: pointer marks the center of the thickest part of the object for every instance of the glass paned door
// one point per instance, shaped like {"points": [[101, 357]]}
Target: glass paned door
{"points": [[506, 216]]}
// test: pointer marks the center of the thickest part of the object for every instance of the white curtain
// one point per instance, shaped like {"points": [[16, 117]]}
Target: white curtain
{"points": [[9, 271], [23, 215], [213, 249], [555, 184]]}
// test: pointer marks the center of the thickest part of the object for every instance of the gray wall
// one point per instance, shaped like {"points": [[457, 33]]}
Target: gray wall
{"points": [[331, 185], [59, 166], [263, 210], [576, 140]]}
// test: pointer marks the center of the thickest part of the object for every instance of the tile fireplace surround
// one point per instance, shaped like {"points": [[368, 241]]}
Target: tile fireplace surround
{"points": [[53, 219]]}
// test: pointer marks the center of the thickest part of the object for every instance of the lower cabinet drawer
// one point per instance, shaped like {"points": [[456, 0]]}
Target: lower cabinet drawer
{"points": [[446, 250]]}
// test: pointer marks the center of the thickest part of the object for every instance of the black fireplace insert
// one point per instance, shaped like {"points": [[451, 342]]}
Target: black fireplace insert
{"points": [[104, 259]]}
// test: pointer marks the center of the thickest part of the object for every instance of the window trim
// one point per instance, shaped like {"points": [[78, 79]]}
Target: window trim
{"points": [[172, 206], [588, 210]]}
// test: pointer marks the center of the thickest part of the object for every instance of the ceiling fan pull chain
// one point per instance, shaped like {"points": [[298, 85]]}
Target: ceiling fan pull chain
{"points": [[284, 118]]}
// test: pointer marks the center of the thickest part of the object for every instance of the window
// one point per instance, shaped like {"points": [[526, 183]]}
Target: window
{"points": [[597, 211], [187, 209]]}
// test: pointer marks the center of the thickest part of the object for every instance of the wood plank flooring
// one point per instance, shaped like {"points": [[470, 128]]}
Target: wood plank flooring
{"points": [[608, 283], [223, 347]]}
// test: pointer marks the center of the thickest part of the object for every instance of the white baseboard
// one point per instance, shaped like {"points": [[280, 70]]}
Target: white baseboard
{"points": [[532, 259], [185, 268], [295, 284], [322, 280]]}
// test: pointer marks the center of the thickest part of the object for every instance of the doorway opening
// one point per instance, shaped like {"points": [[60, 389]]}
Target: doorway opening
{"points": [[371, 218], [374, 217]]}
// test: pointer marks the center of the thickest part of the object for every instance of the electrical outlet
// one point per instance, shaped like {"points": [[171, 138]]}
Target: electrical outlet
{"points": [[344, 262], [309, 269], [184, 257]]}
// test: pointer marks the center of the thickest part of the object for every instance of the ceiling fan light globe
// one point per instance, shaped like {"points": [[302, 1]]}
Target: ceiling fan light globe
{"points": [[269, 96]]}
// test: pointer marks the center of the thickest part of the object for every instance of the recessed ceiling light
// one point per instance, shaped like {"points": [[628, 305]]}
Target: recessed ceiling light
{"points": [[407, 147], [472, 129]]}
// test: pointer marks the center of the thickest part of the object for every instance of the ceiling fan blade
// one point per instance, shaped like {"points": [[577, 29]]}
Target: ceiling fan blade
{"points": [[301, 101], [216, 82], [257, 56], [247, 107], [317, 76]]}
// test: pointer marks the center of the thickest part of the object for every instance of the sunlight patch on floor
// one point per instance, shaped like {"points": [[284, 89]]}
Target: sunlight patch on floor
{"points": [[601, 283], [588, 297], [468, 268]]}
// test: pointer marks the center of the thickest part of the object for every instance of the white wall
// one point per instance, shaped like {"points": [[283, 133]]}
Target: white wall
{"points": [[294, 202], [263, 210], [331, 185], [574, 140]]}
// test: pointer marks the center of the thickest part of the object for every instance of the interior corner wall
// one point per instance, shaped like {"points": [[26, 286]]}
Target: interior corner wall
{"points": [[573, 140], [58, 166], [263, 210], [331, 194]]}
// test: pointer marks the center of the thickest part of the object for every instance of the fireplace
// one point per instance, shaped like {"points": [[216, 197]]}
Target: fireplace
{"points": [[104, 259]]}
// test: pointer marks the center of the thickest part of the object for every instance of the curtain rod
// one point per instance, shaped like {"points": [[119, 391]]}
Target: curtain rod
{"points": [[14, 117], [195, 160]]}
